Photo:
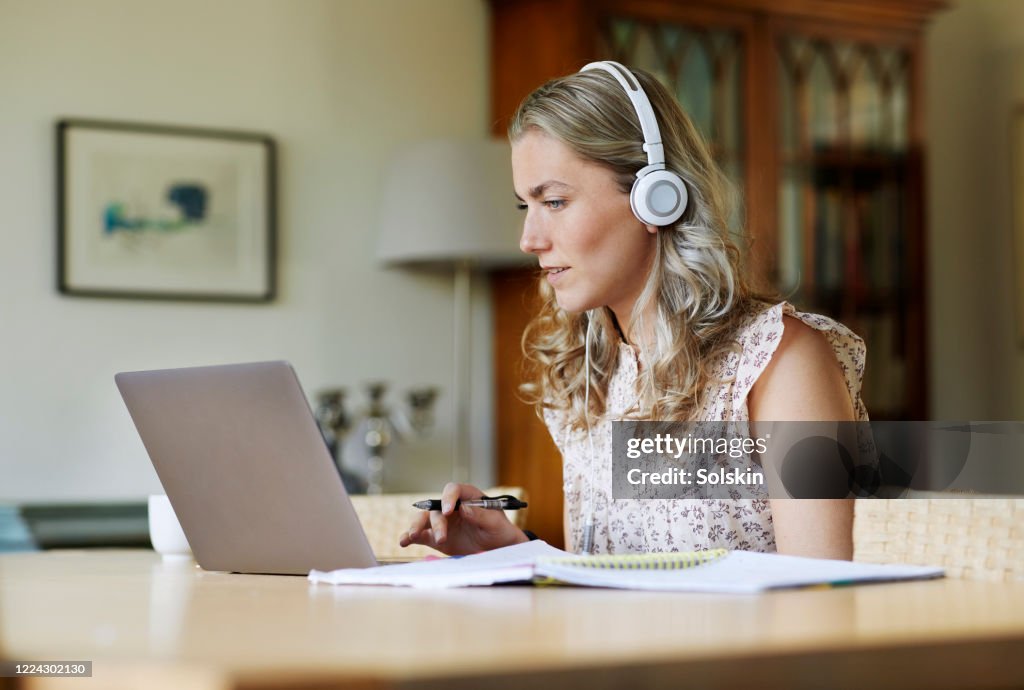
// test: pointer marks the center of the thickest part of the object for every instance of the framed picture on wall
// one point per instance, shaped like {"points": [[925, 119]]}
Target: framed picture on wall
{"points": [[147, 211]]}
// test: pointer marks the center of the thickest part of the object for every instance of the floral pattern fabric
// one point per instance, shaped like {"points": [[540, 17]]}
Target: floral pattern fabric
{"points": [[639, 526]]}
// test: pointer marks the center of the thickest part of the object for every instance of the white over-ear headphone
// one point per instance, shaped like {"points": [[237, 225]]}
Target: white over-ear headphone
{"points": [[658, 196]]}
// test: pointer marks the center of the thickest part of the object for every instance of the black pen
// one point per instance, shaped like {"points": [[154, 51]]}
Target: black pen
{"points": [[485, 502]]}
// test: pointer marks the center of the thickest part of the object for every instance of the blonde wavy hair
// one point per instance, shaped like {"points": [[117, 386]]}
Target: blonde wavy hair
{"points": [[696, 281]]}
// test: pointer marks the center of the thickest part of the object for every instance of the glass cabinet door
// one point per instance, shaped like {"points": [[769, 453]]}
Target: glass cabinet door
{"points": [[841, 228], [842, 189]]}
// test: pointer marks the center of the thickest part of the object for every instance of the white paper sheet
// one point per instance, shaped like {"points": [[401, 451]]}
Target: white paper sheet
{"points": [[508, 564], [739, 572]]}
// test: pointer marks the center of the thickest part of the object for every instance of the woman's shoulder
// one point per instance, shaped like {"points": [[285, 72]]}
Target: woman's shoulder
{"points": [[814, 338], [762, 325]]}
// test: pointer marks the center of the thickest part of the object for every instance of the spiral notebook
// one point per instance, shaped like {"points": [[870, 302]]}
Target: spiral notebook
{"points": [[715, 571]]}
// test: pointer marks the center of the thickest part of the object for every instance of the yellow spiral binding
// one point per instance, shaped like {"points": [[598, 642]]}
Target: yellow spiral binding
{"points": [[678, 560]]}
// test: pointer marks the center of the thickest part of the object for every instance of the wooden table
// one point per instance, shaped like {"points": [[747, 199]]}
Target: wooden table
{"points": [[146, 623]]}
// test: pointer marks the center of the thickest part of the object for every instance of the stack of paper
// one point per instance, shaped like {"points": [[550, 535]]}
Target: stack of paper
{"points": [[738, 572]]}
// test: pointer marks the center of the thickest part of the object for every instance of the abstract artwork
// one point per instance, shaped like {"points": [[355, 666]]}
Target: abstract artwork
{"points": [[146, 211]]}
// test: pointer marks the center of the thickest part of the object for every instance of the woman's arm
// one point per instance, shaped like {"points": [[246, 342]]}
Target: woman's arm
{"points": [[803, 382]]}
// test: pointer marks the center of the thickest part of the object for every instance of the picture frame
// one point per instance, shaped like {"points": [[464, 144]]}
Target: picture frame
{"points": [[148, 211]]}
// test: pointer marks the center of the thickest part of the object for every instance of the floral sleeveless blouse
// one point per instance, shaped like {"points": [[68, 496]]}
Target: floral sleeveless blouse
{"points": [[637, 526]]}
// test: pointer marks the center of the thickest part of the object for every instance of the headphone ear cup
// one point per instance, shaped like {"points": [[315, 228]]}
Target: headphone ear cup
{"points": [[659, 198]]}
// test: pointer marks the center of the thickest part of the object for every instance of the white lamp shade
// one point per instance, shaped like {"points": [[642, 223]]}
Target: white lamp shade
{"points": [[450, 201]]}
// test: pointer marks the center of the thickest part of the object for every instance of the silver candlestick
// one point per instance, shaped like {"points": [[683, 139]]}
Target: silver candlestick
{"points": [[379, 425]]}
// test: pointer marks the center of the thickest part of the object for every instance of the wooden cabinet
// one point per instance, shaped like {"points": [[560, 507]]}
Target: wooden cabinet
{"points": [[814, 110]]}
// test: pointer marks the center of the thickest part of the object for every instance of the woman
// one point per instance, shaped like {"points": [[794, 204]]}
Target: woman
{"points": [[651, 320]]}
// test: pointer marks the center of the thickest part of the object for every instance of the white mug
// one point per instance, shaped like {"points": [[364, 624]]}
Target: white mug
{"points": [[165, 531]]}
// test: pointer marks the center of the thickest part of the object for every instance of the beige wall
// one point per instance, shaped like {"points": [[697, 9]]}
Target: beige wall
{"points": [[975, 78], [341, 85]]}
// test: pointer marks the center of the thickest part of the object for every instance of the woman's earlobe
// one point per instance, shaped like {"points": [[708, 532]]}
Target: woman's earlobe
{"points": [[652, 229]]}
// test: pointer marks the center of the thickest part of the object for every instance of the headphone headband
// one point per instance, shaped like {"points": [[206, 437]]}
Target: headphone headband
{"points": [[658, 196], [642, 105]]}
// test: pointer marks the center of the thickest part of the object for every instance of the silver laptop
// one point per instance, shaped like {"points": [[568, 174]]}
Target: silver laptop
{"points": [[246, 469]]}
